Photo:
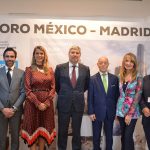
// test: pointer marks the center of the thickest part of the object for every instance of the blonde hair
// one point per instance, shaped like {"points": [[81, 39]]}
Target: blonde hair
{"points": [[45, 61], [123, 70], [75, 47]]}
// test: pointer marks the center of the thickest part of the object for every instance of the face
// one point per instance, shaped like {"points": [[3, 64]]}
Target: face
{"points": [[103, 64], [39, 56], [74, 56], [128, 64], [9, 58]]}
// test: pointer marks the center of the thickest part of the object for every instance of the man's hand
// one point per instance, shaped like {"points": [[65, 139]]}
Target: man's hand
{"points": [[8, 112], [93, 117]]}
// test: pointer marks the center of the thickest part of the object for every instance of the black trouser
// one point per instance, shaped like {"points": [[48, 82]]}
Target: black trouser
{"points": [[127, 134], [146, 127], [63, 124]]}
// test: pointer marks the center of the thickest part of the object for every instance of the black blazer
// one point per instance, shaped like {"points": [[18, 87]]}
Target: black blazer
{"points": [[67, 95], [146, 92]]}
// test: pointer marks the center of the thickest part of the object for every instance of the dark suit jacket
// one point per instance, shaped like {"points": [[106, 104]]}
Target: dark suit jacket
{"points": [[67, 95], [146, 92], [100, 103]]}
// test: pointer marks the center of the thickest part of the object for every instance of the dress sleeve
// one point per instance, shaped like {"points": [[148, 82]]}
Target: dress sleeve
{"points": [[29, 94], [137, 97], [52, 89]]}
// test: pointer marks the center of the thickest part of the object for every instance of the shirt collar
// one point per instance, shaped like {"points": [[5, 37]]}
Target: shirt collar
{"points": [[101, 73], [70, 65], [12, 68]]}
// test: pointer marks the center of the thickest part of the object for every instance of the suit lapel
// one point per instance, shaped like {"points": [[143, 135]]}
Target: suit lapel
{"points": [[66, 72], [66, 69], [14, 77], [80, 72], [109, 83], [100, 83], [5, 76]]}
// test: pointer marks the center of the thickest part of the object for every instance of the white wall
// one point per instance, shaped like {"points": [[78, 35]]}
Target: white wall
{"points": [[77, 8]]}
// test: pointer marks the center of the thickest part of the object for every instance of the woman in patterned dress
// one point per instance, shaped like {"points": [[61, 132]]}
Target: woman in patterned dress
{"points": [[128, 110], [38, 121]]}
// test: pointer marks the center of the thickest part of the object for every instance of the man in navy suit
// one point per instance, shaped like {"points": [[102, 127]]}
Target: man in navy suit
{"points": [[72, 80], [102, 98]]}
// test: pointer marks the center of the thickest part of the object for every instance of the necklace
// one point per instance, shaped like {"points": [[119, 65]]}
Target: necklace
{"points": [[40, 69]]}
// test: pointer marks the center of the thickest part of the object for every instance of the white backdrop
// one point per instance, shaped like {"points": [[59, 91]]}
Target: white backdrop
{"points": [[96, 38]]}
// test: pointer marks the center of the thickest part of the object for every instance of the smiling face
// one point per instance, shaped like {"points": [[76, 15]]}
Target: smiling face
{"points": [[9, 58], [128, 63], [39, 56], [103, 64], [74, 55]]}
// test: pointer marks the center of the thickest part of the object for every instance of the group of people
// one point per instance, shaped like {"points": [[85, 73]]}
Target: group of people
{"points": [[123, 97]]}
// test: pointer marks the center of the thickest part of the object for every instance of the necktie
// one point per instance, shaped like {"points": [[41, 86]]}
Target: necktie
{"points": [[104, 82], [73, 78], [9, 76]]}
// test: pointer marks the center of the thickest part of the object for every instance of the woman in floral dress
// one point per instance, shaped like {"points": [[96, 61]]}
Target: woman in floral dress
{"points": [[38, 121]]}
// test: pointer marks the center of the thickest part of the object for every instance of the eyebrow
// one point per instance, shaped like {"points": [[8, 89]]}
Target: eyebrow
{"points": [[9, 55]]}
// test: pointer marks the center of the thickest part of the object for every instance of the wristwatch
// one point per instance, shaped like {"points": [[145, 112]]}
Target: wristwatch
{"points": [[14, 108]]}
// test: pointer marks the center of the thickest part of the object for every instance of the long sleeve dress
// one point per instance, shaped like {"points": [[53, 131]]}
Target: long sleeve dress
{"points": [[40, 88]]}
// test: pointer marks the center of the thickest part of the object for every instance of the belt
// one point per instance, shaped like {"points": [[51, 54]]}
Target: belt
{"points": [[36, 90]]}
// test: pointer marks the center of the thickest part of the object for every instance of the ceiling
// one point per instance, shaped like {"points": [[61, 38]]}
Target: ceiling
{"points": [[76, 8]]}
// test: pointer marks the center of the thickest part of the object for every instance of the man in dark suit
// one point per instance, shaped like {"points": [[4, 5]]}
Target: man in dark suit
{"points": [[102, 98], [145, 106], [72, 79], [11, 99]]}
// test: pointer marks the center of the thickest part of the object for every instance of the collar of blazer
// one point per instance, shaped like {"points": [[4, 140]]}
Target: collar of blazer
{"points": [[14, 76]]}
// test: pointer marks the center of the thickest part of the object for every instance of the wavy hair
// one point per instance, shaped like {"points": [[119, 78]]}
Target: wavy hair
{"points": [[45, 61], [123, 69]]}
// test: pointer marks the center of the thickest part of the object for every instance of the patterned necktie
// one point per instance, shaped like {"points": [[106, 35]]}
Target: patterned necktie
{"points": [[9, 75], [104, 82], [73, 78]]}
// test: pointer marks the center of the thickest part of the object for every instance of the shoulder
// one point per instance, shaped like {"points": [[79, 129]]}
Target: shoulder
{"points": [[113, 76], [19, 70], [2, 68], [139, 78], [50, 69], [95, 76], [147, 77], [28, 68], [62, 65], [84, 67]]}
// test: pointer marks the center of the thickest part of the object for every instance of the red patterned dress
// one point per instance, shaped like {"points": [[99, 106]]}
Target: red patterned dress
{"points": [[40, 88]]}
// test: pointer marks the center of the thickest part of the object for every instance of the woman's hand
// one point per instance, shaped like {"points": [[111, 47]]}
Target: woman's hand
{"points": [[42, 107], [127, 119]]}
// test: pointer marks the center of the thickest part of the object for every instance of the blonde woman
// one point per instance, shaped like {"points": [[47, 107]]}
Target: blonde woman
{"points": [[128, 103], [38, 122]]}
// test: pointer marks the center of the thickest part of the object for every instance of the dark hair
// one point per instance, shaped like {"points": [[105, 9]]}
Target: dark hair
{"points": [[9, 49]]}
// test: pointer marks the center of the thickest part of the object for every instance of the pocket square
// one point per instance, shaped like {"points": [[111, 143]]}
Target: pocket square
{"points": [[113, 85]]}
